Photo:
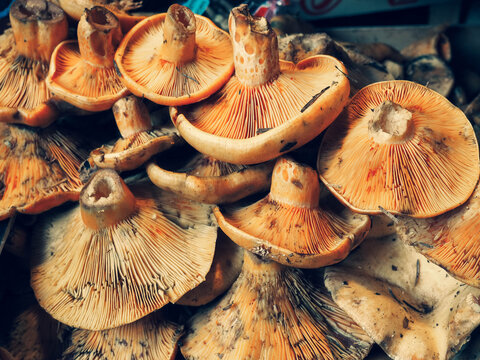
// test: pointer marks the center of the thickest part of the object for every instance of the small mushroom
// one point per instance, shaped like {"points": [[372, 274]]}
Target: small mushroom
{"points": [[25, 50], [175, 58], [412, 308], [392, 150], [82, 73], [121, 254], [150, 338], [290, 226], [273, 312], [269, 107]]}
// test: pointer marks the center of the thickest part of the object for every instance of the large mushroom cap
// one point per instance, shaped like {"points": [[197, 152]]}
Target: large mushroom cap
{"points": [[290, 225], [175, 58], [274, 312], [412, 308], [269, 106], [121, 254], [402, 147]]}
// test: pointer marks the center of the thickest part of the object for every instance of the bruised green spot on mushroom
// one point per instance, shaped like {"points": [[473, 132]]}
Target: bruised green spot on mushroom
{"points": [[287, 146], [313, 99]]}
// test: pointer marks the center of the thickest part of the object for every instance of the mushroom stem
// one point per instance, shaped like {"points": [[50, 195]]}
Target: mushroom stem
{"points": [[99, 34], [179, 35], [105, 200], [257, 264], [295, 184], [390, 123], [131, 116], [255, 48], [38, 27]]}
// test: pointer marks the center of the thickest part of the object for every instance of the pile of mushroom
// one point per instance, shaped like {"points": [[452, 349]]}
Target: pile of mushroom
{"points": [[238, 228]]}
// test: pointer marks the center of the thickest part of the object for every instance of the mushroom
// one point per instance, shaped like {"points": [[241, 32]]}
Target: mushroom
{"points": [[175, 58], [150, 338], [38, 169], [273, 312], [409, 306], [25, 49], [435, 43], [431, 71], [290, 226], [269, 107], [211, 181], [140, 141], [121, 254], [393, 150], [82, 72]]}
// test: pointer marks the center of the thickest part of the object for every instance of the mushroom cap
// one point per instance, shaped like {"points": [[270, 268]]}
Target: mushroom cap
{"points": [[149, 248], [38, 169], [212, 181], [147, 74], [450, 240], [430, 168], [290, 226], [412, 308], [273, 312], [150, 338]]}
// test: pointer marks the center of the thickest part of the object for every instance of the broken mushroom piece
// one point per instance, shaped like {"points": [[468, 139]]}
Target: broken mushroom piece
{"points": [[121, 254], [82, 72], [150, 338], [211, 181], [290, 226], [412, 308], [175, 58], [392, 150], [38, 169], [273, 312], [269, 107], [25, 49], [140, 141]]}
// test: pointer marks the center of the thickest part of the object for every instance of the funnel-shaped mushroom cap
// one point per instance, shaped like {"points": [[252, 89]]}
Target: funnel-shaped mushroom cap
{"points": [[450, 240], [150, 338], [412, 308], [121, 254], [402, 147], [175, 58], [82, 73], [140, 141], [38, 170], [212, 181], [269, 106], [274, 312], [25, 50], [290, 226]]}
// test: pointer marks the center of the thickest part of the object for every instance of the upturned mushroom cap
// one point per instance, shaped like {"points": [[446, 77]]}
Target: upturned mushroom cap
{"points": [[121, 254], [38, 170], [25, 50], [412, 308], [401, 147], [212, 181], [269, 106], [175, 58], [150, 338], [290, 226], [82, 73], [273, 312]]}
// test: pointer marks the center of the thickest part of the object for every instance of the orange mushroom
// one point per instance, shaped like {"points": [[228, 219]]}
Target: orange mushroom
{"points": [[269, 106], [82, 73], [175, 58], [121, 254], [25, 49], [400, 147], [290, 226]]}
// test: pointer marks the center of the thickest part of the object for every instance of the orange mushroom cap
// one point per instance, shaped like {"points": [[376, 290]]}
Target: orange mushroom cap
{"points": [[269, 106], [401, 147], [82, 73], [175, 58], [290, 226]]}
